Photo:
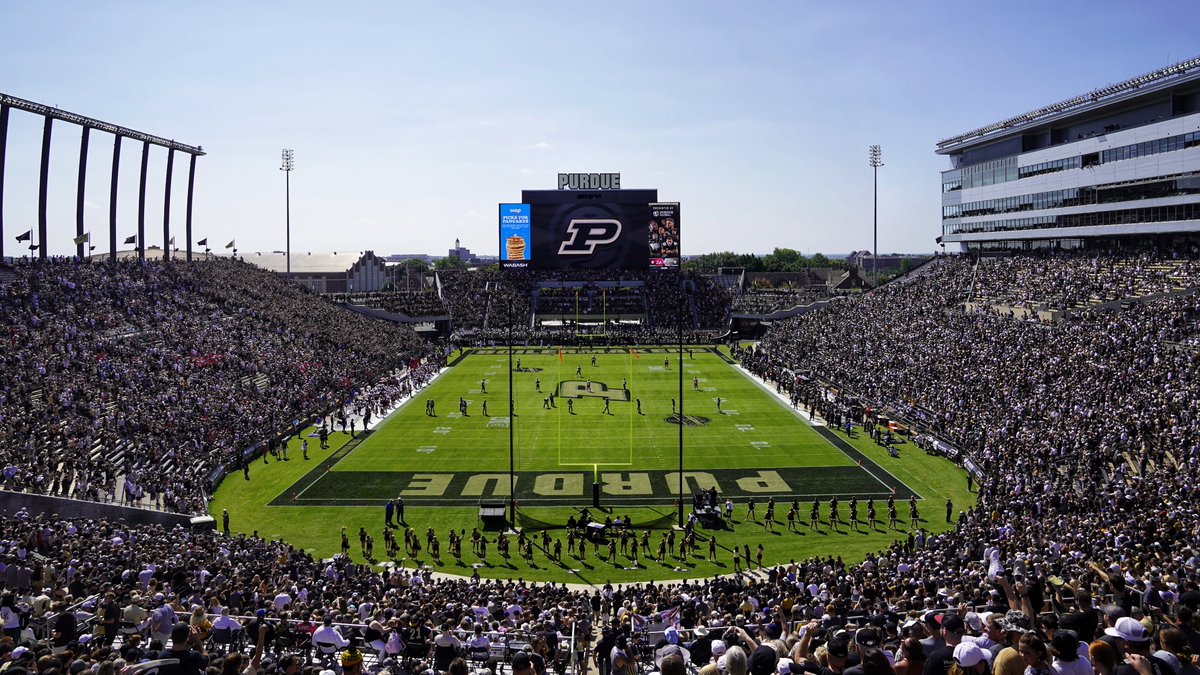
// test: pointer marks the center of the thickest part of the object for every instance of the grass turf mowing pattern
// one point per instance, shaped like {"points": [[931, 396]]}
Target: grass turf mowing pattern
{"points": [[314, 528], [455, 458]]}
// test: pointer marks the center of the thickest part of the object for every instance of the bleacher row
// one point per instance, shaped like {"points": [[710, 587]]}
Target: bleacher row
{"points": [[134, 382], [1085, 432]]}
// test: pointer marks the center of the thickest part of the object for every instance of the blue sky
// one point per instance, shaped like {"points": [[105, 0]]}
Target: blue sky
{"points": [[411, 121]]}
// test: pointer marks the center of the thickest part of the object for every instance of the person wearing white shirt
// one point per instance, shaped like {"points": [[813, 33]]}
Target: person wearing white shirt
{"points": [[282, 600], [327, 634], [226, 622]]}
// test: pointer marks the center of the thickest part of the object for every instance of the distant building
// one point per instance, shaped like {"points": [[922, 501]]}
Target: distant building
{"points": [[889, 264], [463, 254], [336, 272]]}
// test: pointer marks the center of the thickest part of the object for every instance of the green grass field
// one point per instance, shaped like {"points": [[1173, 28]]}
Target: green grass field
{"points": [[754, 447]]}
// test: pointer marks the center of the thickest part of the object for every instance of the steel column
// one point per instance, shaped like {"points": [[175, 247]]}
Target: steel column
{"points": [[44, 186], [3, 148], [167, 206], [191, 182], [140, 244], [79, 191], [112, 200]]}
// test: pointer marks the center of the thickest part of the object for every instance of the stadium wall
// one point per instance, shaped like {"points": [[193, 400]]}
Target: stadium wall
{"points": [[11, 502]]}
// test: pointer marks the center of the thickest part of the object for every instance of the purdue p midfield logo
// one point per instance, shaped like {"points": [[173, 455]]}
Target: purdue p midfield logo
{"points": [[579, 389]]}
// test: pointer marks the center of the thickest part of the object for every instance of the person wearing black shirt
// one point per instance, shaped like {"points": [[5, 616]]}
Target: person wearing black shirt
{"points": [[110, 616], [66, 628], [191, 661], [1085, 620], [940, 660], [604, 652]]}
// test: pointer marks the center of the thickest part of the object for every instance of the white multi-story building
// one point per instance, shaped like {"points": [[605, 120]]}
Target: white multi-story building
{"points": [[1121, 161]]}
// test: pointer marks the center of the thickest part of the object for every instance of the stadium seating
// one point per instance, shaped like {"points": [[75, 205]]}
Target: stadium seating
{"points": [[1084, 428], [135, 382]]}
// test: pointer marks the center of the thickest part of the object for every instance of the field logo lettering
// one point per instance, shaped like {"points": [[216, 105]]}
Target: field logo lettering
{"points": [[693, 481], [428, 485], [477, 485], [588, 233], [626, 484], [559, 485], [764, 481]]}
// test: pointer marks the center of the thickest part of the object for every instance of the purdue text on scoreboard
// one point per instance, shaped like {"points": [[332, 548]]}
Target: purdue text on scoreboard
{"points": [[589, 181]]}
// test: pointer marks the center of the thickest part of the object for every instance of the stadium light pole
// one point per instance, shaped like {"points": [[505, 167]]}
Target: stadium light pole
{"points": [[679, 366], [876, 161], [512, 476], [289, 162]]}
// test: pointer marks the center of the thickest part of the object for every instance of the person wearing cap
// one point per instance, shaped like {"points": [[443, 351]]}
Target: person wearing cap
{"points": [[522, 664], [864, 639], [161, 619], [717, 648], [763, 661], [603, 651], [1133, 646], [671, 659], [933, 624], [968, 658], [134, 615], [940, 660], [837, 651], [700, 647], [1006, 659]]}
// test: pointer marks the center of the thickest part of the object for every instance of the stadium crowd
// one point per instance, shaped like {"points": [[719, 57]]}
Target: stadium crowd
{"points": [[158, 375], [1070, 280], [408, 303], [1080, 555]]}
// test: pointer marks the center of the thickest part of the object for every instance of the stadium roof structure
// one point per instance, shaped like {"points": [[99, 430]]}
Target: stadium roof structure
{"points": [[334, 262], [92, 123], [1163, 78]]}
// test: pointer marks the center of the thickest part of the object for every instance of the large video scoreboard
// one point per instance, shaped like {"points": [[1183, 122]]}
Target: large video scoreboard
{"points": [[589, 223]]}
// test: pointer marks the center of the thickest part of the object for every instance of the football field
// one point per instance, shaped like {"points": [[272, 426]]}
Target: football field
{"points": [[608, 416]]}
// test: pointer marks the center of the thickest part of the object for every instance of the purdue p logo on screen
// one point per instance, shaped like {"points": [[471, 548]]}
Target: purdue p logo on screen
{"points": [[587, 234]]}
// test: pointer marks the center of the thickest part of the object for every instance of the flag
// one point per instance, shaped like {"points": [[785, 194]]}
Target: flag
{"points": [[172, 242], [34, 247], [231, 244], [81, 239], [131, 239], [202, 242], [25, 237], [635, 354]]}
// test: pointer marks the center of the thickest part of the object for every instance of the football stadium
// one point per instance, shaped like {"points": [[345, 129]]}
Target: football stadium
{"points": [[597, 452]]}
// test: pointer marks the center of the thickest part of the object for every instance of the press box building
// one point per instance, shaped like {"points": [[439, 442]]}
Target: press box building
{"points": [[1120, 161]]}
